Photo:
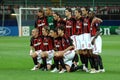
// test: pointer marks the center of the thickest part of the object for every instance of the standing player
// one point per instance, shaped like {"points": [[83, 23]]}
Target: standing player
{"points": [[36, 48], [70, 23], [50, 19], [59, 21], [96, 43], [41, 21], [79, 36], [87, 37]]}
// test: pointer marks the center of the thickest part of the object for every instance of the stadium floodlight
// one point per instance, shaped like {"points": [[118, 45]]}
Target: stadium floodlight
{"points": [[19, 18]]}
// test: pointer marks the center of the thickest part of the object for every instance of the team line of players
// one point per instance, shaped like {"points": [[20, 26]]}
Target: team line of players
{"points": [[57, 43]]}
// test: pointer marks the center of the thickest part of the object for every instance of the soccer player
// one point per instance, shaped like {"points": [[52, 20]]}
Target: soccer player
{"points": [[70, 23], [50, 19], [36, 48], [41, 21], [96, 43], [68, 53], [58, 46], [70, 30], [79, 36], [48, 52], [58, 20], [87, 37]]}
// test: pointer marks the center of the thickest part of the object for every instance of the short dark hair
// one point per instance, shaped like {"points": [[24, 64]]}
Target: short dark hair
{"points": [[86, 8], [47, 28], [61, 28], [79, 10], [55, 30], [41, 11], [69, 9], [57, 14]]}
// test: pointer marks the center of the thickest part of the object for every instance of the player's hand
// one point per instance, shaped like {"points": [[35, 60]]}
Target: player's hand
{"points": [[31, 52]]}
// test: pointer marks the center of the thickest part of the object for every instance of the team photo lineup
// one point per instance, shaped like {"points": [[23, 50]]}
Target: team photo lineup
{"points": [[67, 44]]}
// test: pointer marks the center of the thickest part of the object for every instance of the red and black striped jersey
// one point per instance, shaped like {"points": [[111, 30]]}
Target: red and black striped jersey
{"points": [[37, 43], [48, 43], [66, 41], [79, 26], [40, 23], [61, 22], [70, 26], [58, 46], [86, 25], [94, 27]]}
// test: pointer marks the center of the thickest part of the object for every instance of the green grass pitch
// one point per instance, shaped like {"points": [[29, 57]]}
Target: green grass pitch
{"points": [[15, 62]]}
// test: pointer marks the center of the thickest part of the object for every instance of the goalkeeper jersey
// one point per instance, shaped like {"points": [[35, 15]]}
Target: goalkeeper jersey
{"points": [[50, 21]]}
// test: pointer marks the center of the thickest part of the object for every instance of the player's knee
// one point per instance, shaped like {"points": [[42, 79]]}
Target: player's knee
{"points": [[34, 55]]}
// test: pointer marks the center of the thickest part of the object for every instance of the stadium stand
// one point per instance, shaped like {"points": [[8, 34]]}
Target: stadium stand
{"points": [[105, 8]]}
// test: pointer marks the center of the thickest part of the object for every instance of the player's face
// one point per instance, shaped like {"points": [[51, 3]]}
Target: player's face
{"points": [[44, 31], [52, 33], [47, 12], [55, 16], [67, 13], [76, 13], [40, 14], [34, 33], [84, 12], [60, 32], [91, 14]]}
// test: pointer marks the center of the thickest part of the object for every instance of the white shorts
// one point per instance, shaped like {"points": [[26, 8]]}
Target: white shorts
{"points": [[50, 56], [97, 47], [80, 42], [49, 61], [77, 42], [68, 57], [69, 63], [39, 59], [87, 39], [38, 52], [73, 37]]}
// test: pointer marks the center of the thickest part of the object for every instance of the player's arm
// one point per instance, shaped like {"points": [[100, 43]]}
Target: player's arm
{"points": [[70, 41], [31, 50], [97, 34], [97, 19], [69, 48], [31, 47]]}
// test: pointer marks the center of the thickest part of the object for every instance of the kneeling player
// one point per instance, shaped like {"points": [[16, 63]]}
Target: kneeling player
{"points": [[68, 52]]}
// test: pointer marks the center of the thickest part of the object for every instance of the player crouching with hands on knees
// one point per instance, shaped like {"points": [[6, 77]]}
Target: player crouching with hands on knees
{"points": [[59, 65], [48, 52], [36, 49], [68, 49]]}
